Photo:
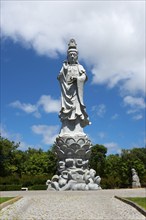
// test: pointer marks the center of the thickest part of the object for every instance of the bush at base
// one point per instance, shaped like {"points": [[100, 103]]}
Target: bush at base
{"points": [[18, 187], [10, 187], [37, 187]]}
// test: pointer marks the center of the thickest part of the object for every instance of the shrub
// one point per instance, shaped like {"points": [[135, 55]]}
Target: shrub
{"points": [[40, 179], [10, 180], [10, 187], [38, 187], [110, 182], [143, 181], [27, 180], [34, 180]]}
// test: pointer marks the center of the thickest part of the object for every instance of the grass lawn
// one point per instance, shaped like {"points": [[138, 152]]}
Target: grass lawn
{"points": [[4, 199], [141, 201]]}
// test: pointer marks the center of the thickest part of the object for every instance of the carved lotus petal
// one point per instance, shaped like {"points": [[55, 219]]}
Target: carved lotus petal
{"points": [[60, 142], [63, 147], [87, 155], [60, 153], [86, 147], [57, 147], [88, 142], [69, 153], [70, 141], [80, 153], [74, 146], [81, 141]]}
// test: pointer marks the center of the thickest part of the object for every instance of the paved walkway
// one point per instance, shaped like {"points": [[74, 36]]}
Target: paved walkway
{"points": [[72, 205]]}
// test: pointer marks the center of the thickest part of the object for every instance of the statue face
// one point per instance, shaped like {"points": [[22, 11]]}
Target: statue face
{"points": [[72, 57]]}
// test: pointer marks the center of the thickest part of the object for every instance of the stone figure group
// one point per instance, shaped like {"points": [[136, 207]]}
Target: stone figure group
{"points": [[75, 180]]}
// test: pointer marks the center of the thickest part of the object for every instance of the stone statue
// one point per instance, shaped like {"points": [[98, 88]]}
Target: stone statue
{"points": [[72, 146], [135, 179], [72, 78]]}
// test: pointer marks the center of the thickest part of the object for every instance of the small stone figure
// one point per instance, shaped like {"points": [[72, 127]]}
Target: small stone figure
{"points": [[135, 179]]}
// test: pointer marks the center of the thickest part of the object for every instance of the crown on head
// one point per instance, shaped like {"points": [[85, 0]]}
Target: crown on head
{"points": [[72, 46]]}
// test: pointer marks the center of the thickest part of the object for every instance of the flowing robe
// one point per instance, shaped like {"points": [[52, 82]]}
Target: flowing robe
{"points": [[72, 78]]}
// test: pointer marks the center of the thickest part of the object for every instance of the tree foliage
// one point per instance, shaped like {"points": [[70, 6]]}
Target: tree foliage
{"points": [[97, 159], [115, 170], [8, 160], [25, 165], [34, 166]]}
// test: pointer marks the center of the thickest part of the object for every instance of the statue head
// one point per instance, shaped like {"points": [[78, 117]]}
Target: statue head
{"points": [[133, 171], [72, 52], [92, 173]]}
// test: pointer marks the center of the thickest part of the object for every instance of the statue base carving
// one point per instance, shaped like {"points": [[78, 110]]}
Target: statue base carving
{"points": [[73, 153]]}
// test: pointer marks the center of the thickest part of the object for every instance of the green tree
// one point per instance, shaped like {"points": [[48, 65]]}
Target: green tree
{"points": [[134, 158], [97, 159], [112, 178], [39, 162], [7, 157], [52, 162], [34, 166]]}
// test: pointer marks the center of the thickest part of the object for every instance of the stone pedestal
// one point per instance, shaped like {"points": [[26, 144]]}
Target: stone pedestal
{"points": [[73, 153]]}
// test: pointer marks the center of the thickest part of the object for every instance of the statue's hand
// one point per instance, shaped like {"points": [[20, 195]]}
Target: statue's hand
{"points": [[73, 77]]}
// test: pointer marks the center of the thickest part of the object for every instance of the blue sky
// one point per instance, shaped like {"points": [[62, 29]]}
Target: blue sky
{"points": [[111, 42]]}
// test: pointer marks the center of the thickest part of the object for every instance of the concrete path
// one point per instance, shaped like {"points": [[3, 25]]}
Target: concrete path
{"points": [[72, 205]]}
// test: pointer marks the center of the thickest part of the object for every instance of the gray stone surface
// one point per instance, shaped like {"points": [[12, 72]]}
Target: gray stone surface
{"points": [[135, 179], [72, 146], [77, 205], [72, 77]]}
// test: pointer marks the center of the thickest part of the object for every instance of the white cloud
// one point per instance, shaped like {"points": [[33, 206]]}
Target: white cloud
{"points": [[16, 137], [101, 135], [28, 108], [119, 151], [3, 132], [138, 117], [136, 106], [49, 105], [45, 102], [99, 110], [135, 102], [115, 116], [9, 135], [112, 147], [110, 35], [132, 111], [49, 133]]}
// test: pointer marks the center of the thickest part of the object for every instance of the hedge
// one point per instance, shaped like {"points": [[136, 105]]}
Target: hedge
{"points": [[25, 180], [18, 187], [38, 187], [10, 187]]}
